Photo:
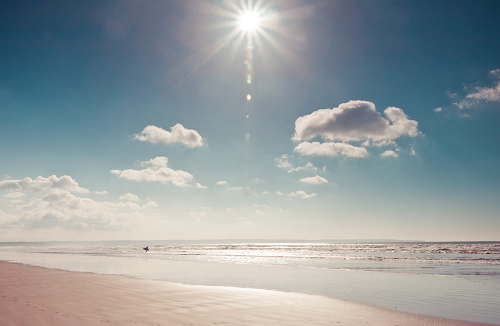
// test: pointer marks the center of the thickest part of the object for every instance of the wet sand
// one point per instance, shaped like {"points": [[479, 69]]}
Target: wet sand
{"points": [[38, 296]]}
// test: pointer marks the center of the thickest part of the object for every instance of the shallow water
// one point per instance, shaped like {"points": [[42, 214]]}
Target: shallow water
{"points": [[453, 284]]}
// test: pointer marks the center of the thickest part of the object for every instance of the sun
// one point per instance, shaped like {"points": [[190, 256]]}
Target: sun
{"points": [[249, 21]]}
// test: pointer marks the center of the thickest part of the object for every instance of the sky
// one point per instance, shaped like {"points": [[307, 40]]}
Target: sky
{"points": [[170, 119]]}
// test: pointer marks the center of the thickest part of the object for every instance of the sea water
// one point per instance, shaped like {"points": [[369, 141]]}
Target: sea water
{"points": [[451, 280]]}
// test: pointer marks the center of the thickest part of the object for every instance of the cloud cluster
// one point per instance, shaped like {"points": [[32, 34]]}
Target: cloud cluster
{"points": [[488, 94], [157, 170], [316, 180], [54, 204], [178, 134], [355, 121], [43, 184]]}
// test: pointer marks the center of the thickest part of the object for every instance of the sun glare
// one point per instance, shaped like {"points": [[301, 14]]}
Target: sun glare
{"points": [[249, 21]]}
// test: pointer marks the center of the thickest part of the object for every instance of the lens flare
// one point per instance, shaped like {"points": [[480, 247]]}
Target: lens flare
{"points": [[249, 21]]}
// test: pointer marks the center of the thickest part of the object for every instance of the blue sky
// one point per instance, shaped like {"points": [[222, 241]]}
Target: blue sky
{"points": [[367, 119]]}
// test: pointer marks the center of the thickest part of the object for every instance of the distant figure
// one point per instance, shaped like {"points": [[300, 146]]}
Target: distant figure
{"points": [[147, 249]]}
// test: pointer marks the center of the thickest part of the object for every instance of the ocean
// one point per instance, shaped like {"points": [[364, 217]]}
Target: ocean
{"points": [[459, 280]]}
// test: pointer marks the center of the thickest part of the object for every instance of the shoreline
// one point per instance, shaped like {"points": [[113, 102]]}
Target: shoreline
{"points": [[39, 296]]}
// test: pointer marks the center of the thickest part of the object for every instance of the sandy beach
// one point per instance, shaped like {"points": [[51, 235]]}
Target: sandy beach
{"points": [[38, 296]]}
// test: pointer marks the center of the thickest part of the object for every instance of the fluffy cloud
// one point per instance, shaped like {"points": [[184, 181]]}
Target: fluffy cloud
{"points": [[330, 149], [55, 204], [178, 134], [157, 170], [43, 184], [316, 180], [63, 209], [355, 121], [104, 192], [489, 94], [129, 197], [221, 183], [390, 153], [301, 194]]}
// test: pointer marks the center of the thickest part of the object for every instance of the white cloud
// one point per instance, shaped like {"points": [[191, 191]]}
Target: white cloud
{"points": [[157, 170], [63, 209], [129, 197], [221, 183], [316, 180], [104, 192], [355, 121], [412, 152], [302, 194], [43, 184], [266, 192], [330, 149], [14, 195], [489, 94], [279, 193], [389, 153], [309, 165], [151, 204], [199, 186], [283, 162], [235, 188], [438, 109], [178, 134]]}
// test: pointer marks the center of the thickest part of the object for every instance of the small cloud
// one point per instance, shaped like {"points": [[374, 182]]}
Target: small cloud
{"points": [[301, 194], [479, 94], [309, 165], [266, 192], [316, 180], [178, 134], [438, 109], [283, 162], [279, 193], [129, 197], [464, 115], [206, 207], [157, 170], [324, 168], [258, 212], [14, 195], [104, 192], [152, 204], [221, 183], [412, 152], [235, 188], [389, 153], [199, 186]]}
